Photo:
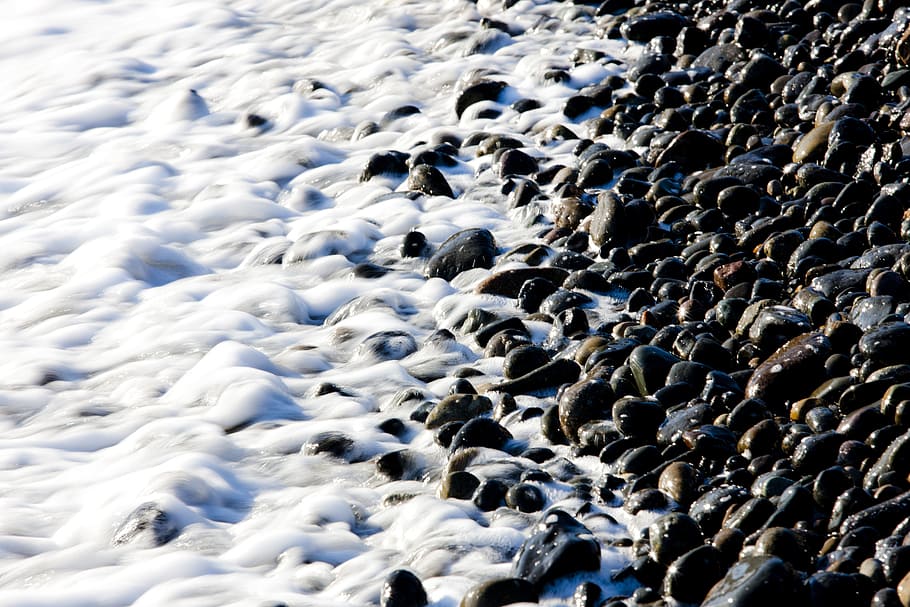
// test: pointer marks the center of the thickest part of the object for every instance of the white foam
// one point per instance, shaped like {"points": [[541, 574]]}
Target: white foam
{"points": [[175, 284]]}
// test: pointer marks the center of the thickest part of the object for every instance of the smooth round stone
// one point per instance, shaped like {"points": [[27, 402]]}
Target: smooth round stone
{"points": [[635, 417], [672, 535], [498, 593], [385, 163], [465, 250], [639, 460], [816, 452], [508, 283], [691, 576], [414, 244], [680, 481], [525, 497], [886, 343], [484, 90], [680, 420], [336, 444], [775, 325], [746, 414], [396, 465], [757, 580], [711, 507], [480, 432], [522, 360], [694, 150], [587, 594], [813, 145], [793, 371], [783, 543], [149, 524], [609, 220], [889, 597], [550, 428], [387, 345], [402, 588], [508, 329], [829, 484], [643, 28], [895, 459], [729, 542], [458, 407], [650, 366], [515, 162], [581, 403], [834, 588], [647, 500], [490, 494], [568, 213], [533, 292], [430, 181], [749, 517], [559, 546], [459, 485]]}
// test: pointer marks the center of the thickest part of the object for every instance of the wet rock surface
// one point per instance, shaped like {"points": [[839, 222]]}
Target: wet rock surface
{"points": [[560, 545], [148, 523], [744, 199], [472, 248]]}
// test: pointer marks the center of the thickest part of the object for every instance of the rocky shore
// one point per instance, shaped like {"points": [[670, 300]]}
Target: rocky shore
{"points": [[754, 392], [319, 303]]}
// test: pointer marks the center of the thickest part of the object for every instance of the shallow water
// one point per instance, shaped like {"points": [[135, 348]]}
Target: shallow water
{"points": [[150, 352]]}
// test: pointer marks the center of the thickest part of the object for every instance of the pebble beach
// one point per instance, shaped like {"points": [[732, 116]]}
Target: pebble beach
{"points": [[467, 304]]}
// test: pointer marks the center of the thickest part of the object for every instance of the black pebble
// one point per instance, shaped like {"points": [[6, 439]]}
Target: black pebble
{"points": [[525, 497], [402, 588]]}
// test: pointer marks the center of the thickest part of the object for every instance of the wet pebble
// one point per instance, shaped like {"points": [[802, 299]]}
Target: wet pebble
{"points": [[402, 588], [693, 574], [472, 248], [757, 580], [500, 592], [560, 545], [581, 403], [672, 535], [458, 407], [150, 524]]}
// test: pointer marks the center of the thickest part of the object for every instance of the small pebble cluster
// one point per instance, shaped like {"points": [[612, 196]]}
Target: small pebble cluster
{"points": [[755, 390]]}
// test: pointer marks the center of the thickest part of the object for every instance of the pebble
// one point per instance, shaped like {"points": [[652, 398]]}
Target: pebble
{"points": [[148, 523], [693, 574], [402, 588], [429, 180], [757, 580], [501, 592], [465, 250], [794, 370], [559, 546], [525, 497], [673, 535], [581, 403], [551, 375], [458, 407], [508, 283], [714, 303], [483, 90], [637, 418], [746, 394]]}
